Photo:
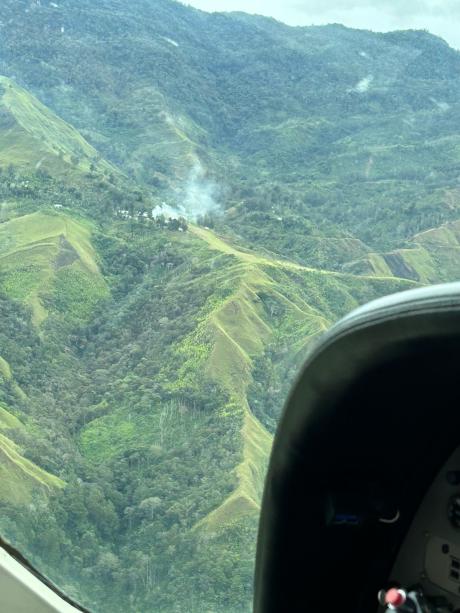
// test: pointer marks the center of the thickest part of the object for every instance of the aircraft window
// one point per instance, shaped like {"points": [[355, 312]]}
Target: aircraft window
{"points": [[191, 195]]}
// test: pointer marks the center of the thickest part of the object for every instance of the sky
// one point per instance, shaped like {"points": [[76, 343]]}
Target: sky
{"points": [[441, 17]]}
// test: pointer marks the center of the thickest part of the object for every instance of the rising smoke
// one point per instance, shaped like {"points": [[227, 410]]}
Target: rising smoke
{"points": [[200, 193], [198, 197]]}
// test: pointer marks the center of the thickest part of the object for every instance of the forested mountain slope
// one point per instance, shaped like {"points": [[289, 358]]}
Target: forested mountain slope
{"points": [[431, 256], [32, 137], [337, 131], [144, 361], [140, 375]]}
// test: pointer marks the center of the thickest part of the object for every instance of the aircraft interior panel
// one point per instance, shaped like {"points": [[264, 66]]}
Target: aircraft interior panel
{"points": [[429, 559], [361, 506]]}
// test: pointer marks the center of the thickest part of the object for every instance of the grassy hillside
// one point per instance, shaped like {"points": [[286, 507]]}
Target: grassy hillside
{"points": [[34, 138], [144, 377], [234, 326], [429, 257], [144, 362], [22, 482], [354, 137], [47, 259]]}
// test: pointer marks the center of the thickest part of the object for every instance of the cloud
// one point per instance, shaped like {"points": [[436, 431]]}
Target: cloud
{"points": [[397, 8], [399, 13]]}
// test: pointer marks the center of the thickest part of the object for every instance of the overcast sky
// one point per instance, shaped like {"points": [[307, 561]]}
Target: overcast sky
{"points": [[441, 17]]}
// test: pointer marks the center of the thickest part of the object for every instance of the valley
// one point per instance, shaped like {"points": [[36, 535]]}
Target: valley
{"points": [[187, 201]]}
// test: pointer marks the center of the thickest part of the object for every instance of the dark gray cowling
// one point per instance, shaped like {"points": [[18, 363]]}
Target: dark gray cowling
{"points": [[371, 419]]}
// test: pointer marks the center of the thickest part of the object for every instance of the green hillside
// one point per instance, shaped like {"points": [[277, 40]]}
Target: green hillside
{"points": [[45, 256], [431, 256], [21, 481], [34, 138], [145, 359], [353, 137], [5, 370], [154, 358]]}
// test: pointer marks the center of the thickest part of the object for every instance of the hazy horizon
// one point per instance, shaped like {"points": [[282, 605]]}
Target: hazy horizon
{"points": [[437, 16]]}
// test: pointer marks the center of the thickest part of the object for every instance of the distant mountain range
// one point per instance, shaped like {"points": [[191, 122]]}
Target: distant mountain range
{"points": [[144, 360]]}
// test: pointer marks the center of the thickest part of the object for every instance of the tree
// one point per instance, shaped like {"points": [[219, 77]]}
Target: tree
{"points": [[149, 505]]}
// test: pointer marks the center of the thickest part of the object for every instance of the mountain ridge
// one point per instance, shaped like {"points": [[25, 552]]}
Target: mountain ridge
{"points": [[228, 85], [31, 135], [148, 357]]}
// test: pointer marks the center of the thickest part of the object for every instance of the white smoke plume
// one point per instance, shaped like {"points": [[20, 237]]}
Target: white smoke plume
{"points": [[364, 84], [168, 211], [170, 41], [200, 193]]}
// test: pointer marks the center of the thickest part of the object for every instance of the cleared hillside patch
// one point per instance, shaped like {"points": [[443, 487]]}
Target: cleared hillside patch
{"points": [[37, 270]]}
